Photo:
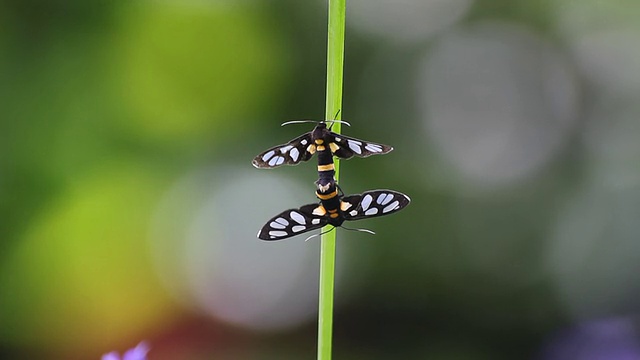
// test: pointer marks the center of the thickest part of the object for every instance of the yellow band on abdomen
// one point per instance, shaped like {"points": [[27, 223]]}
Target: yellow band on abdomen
{"points": [[326, 167], [327, 196]]}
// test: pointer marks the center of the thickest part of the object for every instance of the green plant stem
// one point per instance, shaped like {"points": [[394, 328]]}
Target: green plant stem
{"points": [[335, 61]]}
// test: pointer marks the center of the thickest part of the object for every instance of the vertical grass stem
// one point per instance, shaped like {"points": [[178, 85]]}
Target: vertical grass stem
{"points": [[335, 61]]}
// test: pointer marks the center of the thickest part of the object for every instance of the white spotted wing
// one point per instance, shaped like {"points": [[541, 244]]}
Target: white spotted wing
{"points": [[292, 222], [347, 147], [373, 203], [291, 153], [296, 150]]}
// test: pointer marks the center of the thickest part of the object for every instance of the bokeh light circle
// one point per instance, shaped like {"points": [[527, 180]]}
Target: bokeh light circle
{"points": [[602, 37], [497, 102], [218, 265]]}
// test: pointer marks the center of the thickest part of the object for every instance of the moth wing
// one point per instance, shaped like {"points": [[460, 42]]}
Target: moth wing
{"points": [[292, 222], [373, 203], [348, 147], [291, 153]]}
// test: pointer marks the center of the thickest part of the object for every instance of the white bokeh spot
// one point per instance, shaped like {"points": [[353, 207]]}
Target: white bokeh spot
{"points": [[497, 102]]}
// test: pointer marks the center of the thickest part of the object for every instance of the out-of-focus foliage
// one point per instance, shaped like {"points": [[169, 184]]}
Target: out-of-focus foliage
{"points": [[129, 207], [80, 264], [185, 70]]}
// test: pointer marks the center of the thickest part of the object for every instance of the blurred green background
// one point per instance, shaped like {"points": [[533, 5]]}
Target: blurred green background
{"points": [[129, 206]]}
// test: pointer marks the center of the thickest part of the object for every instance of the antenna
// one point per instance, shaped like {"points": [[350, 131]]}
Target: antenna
{"points": [[313, 121], [361, 230], [322, 233], [298, 122], [338, 121]]}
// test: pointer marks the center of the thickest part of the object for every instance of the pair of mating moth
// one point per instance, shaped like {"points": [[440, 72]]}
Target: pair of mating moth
{"points": [[334, 207]]}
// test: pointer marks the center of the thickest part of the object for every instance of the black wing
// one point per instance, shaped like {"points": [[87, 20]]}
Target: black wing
{"points": [[291, 153], [348, 147], [373, 203], [293, 222]]}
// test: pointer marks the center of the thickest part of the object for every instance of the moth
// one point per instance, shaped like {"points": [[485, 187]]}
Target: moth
{"points": [[320, 138], [333, 210]]}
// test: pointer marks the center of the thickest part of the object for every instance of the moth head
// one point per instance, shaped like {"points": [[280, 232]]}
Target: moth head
{"points": [[323, 188]]}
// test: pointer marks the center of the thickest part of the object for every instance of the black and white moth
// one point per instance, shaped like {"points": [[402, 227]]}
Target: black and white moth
{"points": [[310, 217], [304, 146]]}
